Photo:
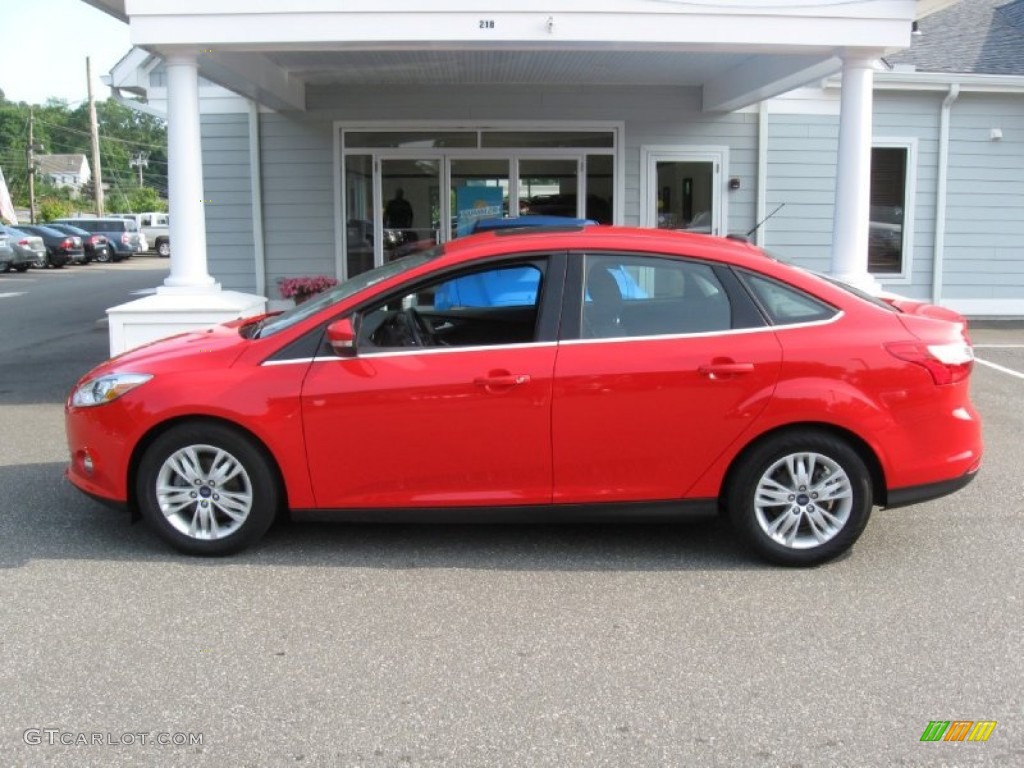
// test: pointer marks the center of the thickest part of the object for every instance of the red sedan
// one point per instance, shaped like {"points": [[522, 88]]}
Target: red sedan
{"points": [[543, 374]]}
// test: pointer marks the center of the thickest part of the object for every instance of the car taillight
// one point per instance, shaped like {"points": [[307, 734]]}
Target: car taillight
{"points": [[947, 363], [94, 240], [68, 244], [126, 238]]}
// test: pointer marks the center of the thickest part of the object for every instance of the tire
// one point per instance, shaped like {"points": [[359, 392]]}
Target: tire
{"points": [[163, 248], [830, 504], [22, 267], [194, 519], [103, 256]]}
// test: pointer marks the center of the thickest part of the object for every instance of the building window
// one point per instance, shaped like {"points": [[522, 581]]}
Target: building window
{"points": [[891, 199]]}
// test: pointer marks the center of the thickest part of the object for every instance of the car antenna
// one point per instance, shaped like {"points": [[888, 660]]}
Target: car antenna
{"points": [[762, 221]]}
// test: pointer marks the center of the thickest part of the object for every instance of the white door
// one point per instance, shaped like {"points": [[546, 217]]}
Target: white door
{"points": [[682, 188]]}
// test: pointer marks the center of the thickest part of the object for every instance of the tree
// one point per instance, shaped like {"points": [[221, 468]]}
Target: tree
{"points": [[61, 129]]}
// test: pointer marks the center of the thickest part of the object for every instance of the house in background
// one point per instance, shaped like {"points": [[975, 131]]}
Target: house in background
{"points": [[65, 171], [292, 129]]}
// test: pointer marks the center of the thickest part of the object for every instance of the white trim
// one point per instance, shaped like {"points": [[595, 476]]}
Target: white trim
{"points": [[904, 277], [986, 307], [650, 154], [703, 334], [941, 186], [761, 209], [439, 350]]}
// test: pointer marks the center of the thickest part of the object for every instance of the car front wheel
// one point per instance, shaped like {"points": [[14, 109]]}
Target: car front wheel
{"points": [[207, 489], [800, 498], [163, 249]]}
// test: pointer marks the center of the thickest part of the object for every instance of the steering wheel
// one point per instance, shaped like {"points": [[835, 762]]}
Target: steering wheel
{"points": [[418, 327]]}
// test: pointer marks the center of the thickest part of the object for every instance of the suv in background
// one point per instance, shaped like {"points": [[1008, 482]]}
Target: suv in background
{"points": [[122, 234], [155, 226]]}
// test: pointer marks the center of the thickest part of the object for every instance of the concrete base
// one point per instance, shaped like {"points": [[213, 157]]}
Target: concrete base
{"points": [[173, 311]]}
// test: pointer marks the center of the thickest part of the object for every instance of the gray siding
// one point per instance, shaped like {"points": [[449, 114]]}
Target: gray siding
{"points": [[985, 213], [227, 185]]}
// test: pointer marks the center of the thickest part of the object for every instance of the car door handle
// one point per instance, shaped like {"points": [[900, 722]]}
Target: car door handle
{"points": [[723, 370], [503, 381]]}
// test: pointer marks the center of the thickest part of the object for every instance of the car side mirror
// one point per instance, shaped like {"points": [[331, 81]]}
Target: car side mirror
{"points": [[341, 335]]}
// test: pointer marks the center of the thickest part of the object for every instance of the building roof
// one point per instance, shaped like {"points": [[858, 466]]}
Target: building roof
{"points": [[981, 37], [62, 163]]}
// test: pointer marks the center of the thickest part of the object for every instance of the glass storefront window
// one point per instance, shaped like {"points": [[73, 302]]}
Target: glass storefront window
{"points": [[409, 139], [546, 139], [359, 216], [480, 190]]}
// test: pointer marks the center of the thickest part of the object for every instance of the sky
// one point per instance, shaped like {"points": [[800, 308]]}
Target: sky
{"points": [[50, 62]]}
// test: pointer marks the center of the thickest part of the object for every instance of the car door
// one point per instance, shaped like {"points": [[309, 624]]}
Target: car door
{"points": [[462, 419], [661, 373]]}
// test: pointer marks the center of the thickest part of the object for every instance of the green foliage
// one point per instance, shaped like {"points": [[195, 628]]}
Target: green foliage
{"points": [[50, 208], [138, 199], [64, 129]]}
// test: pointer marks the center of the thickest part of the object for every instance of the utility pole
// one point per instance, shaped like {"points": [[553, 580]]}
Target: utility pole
{"points": [[32, 149], [140, 160], [97, 186]]}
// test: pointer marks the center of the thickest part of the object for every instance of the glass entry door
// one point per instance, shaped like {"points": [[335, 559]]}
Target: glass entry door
{"points": [[410, 205]]}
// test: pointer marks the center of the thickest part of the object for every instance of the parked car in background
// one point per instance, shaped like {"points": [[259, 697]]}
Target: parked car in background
{"points": [[155, 226], [6, 252], [61, 248], [726, 382], [29, 250], [97, 247], [123, 234]]}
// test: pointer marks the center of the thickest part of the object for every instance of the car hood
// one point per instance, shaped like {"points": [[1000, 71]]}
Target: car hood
{"points": [[218, 346]]}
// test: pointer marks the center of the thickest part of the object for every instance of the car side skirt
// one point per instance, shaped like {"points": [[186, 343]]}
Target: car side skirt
{"points": [[915, 494], [639, 512]]}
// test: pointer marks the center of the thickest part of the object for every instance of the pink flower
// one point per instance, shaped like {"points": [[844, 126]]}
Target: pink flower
{"points": [[301, 288]]}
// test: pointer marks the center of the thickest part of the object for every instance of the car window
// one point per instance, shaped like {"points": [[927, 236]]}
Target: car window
{"points": [[479, 307], [627, 295], [784, 304]]}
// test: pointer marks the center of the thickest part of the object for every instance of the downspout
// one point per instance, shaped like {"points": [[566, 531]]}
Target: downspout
{"points": [[938, 258], [762, 173], [256, 176]]}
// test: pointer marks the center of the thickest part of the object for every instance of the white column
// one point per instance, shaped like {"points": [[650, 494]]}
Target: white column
{"points": [[185, 180], [853, 176]]}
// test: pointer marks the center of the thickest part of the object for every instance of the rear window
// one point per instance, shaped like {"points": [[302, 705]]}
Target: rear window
{"points": [[784, 304]]}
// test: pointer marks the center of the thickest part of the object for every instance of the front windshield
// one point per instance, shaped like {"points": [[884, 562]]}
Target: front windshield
{"points": [[344, 290]]}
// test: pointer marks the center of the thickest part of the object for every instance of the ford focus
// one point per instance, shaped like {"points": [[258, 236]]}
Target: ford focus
{"points": [[543, 374]]}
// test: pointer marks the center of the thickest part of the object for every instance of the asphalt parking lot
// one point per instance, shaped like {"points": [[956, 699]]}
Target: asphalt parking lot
{"points": [[375, 645]]}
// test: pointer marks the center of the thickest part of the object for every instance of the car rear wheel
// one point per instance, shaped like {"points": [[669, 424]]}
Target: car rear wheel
{"points": [[103, 256], [801, 498], [22, 267], [206, 489], [163, 248]]}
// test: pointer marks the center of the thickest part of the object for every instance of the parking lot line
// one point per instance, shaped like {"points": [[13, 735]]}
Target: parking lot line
{"points": [[1000, 368]]}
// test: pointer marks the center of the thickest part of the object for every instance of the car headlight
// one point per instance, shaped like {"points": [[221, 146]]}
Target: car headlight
{"points": [[107, 388]]}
